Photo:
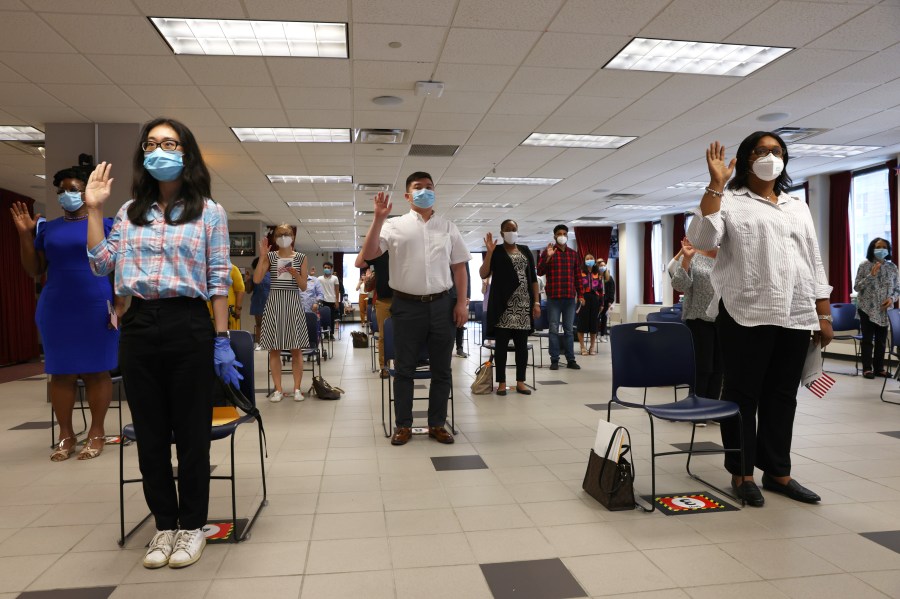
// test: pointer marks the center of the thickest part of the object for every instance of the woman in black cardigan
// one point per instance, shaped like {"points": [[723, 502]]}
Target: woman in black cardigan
{"points": [[513, 302]]}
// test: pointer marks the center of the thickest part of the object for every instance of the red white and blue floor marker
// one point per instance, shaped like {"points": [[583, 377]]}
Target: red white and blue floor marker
{"points": [[821, 385], [690, 503]]}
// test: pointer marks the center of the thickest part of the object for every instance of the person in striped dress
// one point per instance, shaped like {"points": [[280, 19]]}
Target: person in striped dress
{"points": [[284, 320]]}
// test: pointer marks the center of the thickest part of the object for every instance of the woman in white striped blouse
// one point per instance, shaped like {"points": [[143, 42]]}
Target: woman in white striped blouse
{"points": [[771, 293]]}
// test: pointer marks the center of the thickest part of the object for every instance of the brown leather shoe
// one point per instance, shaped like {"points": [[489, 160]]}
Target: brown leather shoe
{"points": [[440, 434], [401, 436]]}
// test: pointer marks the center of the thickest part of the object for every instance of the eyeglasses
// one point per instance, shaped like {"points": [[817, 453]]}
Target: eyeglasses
{"points": [[60, 190], [169, 145], [762, 151]]}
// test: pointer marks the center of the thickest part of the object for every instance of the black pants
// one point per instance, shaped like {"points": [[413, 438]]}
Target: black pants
{"points": [[763, 366], [166, 358], [871, 330], [707, 358], [418, 324], [520, 341], [460, 331], [604, 318]]}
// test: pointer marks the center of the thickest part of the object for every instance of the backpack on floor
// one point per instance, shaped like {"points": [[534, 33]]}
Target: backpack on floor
{"points": [[323, 390]]}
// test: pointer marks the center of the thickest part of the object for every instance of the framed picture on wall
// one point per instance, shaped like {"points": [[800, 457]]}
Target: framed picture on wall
{"points": [[242, 244]]}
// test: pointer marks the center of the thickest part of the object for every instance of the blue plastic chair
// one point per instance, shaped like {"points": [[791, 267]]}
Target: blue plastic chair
{"points": [[663, 317], [420, 374], [894, 350], [477, 309], [242, 344], [846, 319], [374, 333], [542, 332], [662, 355]]}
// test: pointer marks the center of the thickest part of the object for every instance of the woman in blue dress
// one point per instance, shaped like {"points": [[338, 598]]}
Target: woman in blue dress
{"points": [[72, 312]]}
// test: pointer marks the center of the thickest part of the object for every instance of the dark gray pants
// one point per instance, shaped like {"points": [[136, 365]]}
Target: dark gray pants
{"points": [[417, 325]]}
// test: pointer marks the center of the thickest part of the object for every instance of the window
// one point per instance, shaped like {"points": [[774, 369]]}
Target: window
{"points": [[799, 191], [657, 261], [870, 213], [474, 278], [350, 277]]}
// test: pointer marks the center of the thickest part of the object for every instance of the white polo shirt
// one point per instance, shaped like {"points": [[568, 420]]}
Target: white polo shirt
{"points": [[421, 252]]}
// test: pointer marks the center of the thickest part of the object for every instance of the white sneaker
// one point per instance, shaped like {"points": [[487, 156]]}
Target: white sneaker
{"points": [[188, 548], [160, 549], [256, 347], [298, 395], [276, 397], [605, 339]]}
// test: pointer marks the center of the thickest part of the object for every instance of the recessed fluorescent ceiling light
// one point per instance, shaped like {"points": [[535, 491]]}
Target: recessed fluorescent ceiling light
{"points": [[483, 205], [638, 207], [310, 178], [291, 135], [827, 151], [16, 133], [673, 56], [326, 220], [518, 181], [41, 176], [567, 140], [225, 37], [591, 222], [688, 185], [319, 204]]}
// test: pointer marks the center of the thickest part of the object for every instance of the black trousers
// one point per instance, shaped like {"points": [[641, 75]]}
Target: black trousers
{"points": [[460, 331], [166, 358], [871, 330], [604, 318], [707, 358], [418, 324], [763, 367], [520, 341]]}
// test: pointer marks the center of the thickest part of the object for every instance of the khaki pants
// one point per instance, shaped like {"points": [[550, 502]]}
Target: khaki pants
{"points": [[363, 307], [382, 313]]}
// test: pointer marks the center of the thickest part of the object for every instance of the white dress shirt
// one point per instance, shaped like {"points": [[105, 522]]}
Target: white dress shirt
{"points": [[768, 270], [421, 252]]}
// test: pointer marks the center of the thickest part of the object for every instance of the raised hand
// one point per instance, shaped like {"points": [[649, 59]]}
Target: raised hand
{"points": [[551, 249], [383, 205], [489, 243], [21, 219], [687, 248], [719, 171], [99, 186], [263, 246], [876, 268]]}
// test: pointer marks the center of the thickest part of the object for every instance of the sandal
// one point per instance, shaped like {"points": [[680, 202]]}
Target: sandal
{"points": [[88, 452], [62, 453], [584, 352]]}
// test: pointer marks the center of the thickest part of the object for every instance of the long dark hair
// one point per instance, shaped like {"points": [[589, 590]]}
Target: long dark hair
{"points": [[870, 253], [742, 166], [195, 186]]}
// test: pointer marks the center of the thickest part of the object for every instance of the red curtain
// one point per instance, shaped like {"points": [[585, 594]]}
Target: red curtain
{"points": [[892, 191], [594, 241], [649, 291], [839, 237], [678, 234], [19, 339]]}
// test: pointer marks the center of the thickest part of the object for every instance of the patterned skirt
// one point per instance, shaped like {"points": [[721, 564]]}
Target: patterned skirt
{"points": [[284, 322]]}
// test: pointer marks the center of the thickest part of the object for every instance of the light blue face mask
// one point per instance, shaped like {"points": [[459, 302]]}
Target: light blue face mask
{"points": [[881, 253], [423, 198], [602, 269], [589, 263], [164, 166], [70, 200]]}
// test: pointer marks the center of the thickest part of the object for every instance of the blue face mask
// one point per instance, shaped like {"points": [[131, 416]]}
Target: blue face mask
{"points": [[423, 198], [164, 166], [602, 269], [70, 200], [881, 253], [327, 271], [589, 263]]}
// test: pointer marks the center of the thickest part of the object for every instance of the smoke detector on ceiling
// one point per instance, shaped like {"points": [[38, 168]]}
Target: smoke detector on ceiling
{"points": [[429, 89]]}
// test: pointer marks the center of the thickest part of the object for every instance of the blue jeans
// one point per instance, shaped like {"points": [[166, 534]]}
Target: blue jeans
{"points": [[564, 307]]}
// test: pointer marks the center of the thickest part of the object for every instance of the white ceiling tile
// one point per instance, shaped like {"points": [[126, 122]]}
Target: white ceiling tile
{"points": [[575, 50], [511, 123], [101, 34], [38, 116], [320, 118], [182, 96], [26, 94], [622, 84], [54, 68], [471, 77], [114, 114], [12, 5], [424, 136], [531, 15], [326, 11], [541, 80], [318, 72], [874, 29], [529, 157], [324, 149], [875, 69], [253, 117], [226, 70], [570, 162], [386, 74], [806, 65], [374, 119], [406, 12], [380, 150], [262, 150], [488, 46], [379, 161], [569, 124], [701, 20], [833, 118], [98, 7], [315, 98], [212, 134], [7, 75], [420, 44], [22, 29], [503, 139], [617, 18], [200, 9], [146, 70], [233, 96], [778, 26], [362, 100], [593, 108], [454, 101], [194, 116], [368, 172], [874, 99], [450, 121], [626, 126], [508, 103]]}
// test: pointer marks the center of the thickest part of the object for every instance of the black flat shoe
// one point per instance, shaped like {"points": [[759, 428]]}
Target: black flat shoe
{"points": [[501, 391], [524, 391], [749, 492], [793, 489]]}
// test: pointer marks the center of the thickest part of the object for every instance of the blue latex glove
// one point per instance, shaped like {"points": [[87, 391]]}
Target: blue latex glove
{"points": [[225, 364]]}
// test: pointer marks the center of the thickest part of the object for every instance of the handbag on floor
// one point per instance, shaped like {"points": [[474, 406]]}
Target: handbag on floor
{"points": [[360, 339], [484, 379], [610, 478], [323, 390]]}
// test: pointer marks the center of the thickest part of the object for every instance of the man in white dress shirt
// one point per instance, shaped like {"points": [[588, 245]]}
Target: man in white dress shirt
{"points": [[422, 245]]}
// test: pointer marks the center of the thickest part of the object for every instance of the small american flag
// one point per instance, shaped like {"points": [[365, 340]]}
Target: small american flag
{"points": [[821, 385]]}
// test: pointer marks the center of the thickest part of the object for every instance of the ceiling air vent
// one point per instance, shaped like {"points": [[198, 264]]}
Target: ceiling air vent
{"points": [[379, 136], [373, 187], [432, 151], [794, 134]]}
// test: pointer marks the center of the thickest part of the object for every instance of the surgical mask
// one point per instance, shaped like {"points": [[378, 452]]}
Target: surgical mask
{"points": [[423, 198], [589, 263], [164, 166], [881, 253], [602, 269], [327, 271], [284, 241], [562, 239], [70, 200], [768, 167], [511, 236]]}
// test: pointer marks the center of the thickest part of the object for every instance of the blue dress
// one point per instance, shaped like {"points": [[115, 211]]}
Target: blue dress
{"points": [[72, 314]]}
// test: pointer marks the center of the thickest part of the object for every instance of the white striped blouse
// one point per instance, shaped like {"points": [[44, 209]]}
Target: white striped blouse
{"points": [[768, 270]]}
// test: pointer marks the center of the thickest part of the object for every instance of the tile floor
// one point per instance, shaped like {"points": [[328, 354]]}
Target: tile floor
{"points": [[499, 514]]}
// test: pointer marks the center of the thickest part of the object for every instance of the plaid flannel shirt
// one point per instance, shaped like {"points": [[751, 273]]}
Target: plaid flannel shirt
{"points": [[563, 274]]}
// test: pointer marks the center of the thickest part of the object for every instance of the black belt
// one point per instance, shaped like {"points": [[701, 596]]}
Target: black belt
{"points": [[425, 299]]}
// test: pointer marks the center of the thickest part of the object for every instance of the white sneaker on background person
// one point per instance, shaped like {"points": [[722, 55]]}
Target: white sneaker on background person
{"points": [[160, 549], [188, 548], [298, 395], [276, 397]]}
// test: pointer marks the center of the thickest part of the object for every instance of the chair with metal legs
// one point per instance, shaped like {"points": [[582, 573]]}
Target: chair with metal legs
{"points": [[893, 351]]}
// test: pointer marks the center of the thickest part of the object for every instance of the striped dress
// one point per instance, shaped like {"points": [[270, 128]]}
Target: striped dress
{"points": [[284, 321]]}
